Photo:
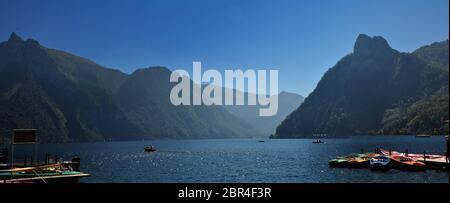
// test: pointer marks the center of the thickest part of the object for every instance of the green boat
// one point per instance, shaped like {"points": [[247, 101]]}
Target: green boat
{"points": [[342, 161], [338, 162]]}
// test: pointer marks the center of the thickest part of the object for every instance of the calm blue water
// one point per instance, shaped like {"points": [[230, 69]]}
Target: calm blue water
{"points": [[242, 160]]}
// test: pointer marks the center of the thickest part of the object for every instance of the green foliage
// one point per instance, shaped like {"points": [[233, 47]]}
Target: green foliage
{"points": [[376, 90], [425, 116], [436, 54], [69, 98]]}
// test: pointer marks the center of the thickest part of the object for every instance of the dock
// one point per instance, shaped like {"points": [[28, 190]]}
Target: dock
{"points": [[52, 169], [394, 159], [59, 172], [49, 179]]}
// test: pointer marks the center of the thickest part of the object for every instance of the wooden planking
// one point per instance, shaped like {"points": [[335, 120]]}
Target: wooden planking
{"points": [[18, 180]]}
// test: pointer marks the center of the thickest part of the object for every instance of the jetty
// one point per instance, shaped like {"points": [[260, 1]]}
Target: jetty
{"points": [[32, 170], [386, 159]]}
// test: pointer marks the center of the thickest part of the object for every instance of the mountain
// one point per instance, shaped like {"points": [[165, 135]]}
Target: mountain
{"points": [[287, 102], [375, 90], [427, 114], [436, 54], [62, 95], [69, 98], [145, 98]]}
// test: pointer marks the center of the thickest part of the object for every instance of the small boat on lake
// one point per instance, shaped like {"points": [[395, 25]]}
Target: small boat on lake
{"points": [[317, 142], [149, 149], [380, 162], [423, 136]]}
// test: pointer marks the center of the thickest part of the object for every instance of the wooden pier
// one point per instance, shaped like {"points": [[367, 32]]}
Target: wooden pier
{"points": [[49, 179], [31, 170]]}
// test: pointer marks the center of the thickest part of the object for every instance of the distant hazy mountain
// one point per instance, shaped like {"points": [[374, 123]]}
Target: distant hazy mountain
{"points": [[287, 102], [376, 90], [69, 98], [144, 97]]}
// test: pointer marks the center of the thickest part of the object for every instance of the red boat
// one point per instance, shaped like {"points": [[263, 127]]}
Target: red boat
{"points": [[430, 160], [407, 163]]}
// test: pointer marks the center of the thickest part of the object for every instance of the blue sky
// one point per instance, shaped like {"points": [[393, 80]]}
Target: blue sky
{"points": [[302, 39]]}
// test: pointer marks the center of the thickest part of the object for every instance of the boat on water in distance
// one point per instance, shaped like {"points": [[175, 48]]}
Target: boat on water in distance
{"points": [[149, 149], [423, 136], [317, 142]]}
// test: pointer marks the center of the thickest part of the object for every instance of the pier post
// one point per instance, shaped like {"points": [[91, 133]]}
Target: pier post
{"points": [[25, 160], [31, 160], [446, 155]]}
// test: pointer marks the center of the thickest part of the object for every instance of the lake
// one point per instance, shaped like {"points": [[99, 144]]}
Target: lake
{"points": [[242, 160]]}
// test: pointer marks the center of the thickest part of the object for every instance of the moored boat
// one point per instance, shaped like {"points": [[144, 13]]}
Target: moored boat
{"points": [[361, 161], [439, 164], [407, 163], [432, 161], [380, 162], [341, 161], [358, 162], [338, 162]]}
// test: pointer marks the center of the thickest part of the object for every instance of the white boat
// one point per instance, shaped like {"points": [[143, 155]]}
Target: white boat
{"points": [[380, 162]]}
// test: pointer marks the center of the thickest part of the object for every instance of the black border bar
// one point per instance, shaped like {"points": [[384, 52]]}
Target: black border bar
{"points": [[136, 192]]}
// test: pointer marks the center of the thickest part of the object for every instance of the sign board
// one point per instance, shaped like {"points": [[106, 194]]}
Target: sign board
{"points": [[24, 136]]}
